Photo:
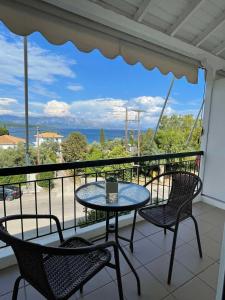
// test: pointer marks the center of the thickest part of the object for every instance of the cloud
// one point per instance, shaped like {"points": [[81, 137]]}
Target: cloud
{"points": [[75, 87], [36, 104], [6, 112], [44, 65], [110, 112], [56, 108], [7, 101], [39, 89]]}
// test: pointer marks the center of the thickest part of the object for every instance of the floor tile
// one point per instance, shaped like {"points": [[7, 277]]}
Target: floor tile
{"points": [[108, 292], [189, 257], [195, 289], [200, 208], [216, 234], [31, 293], [126, 232], [203, 226], [150, 287], [124, 267], [160, 267], [185, 233], [170, 297], [7, 279], [145, 251], [99, 280], [8, 296], [209, 247], [147, 228], [210, 275], [163, 241], [214, 218]]}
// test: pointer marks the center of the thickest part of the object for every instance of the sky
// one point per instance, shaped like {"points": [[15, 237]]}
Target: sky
{"points": [[86, 88]]}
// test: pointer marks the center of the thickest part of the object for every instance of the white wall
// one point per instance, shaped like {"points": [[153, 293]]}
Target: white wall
{"points": [[4, 146], [214, 172]]}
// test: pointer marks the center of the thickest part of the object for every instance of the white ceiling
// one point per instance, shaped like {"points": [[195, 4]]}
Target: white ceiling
{"points": [[200, 23]]}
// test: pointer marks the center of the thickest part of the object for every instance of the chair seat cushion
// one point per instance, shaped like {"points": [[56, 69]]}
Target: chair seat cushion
{"points": [[66, 274], [162, 215]]}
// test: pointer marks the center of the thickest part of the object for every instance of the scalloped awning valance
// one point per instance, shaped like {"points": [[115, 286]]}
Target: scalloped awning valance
{"points": [[59, 26]]}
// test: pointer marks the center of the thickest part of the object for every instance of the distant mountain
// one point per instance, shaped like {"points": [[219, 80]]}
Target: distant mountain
{"points": [[52, 122]]}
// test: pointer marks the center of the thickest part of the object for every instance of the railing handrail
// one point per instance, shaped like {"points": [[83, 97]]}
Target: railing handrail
{"points": [[93, 163]]}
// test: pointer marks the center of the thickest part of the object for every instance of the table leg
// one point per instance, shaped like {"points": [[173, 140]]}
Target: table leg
{"points": [[132, 232], [124, 254]]}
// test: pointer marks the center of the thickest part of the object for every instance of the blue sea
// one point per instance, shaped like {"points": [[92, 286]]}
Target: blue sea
{"points": [[92, 135]]}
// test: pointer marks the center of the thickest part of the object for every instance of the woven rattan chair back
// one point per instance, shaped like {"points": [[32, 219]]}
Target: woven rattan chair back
{"points": [[184, 187], [30, 260]]}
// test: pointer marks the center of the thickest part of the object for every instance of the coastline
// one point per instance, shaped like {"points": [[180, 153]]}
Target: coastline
{"points": [[92, 135]]}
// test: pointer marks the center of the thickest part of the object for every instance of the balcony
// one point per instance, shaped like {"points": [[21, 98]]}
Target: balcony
{"points": [[193, 277]]}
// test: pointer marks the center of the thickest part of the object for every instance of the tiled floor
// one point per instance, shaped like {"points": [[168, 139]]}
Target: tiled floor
{"points": [[193, 278]]}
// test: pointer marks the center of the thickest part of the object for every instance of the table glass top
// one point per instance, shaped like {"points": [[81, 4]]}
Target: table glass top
{"points": [[129, 195]]}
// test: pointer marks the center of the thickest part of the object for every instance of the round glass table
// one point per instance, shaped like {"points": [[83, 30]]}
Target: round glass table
{"points": [[130, 197]]}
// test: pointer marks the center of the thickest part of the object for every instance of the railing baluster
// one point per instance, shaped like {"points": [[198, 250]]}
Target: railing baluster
{"points": [[138, 173], [4, 204], [36, 208], [50, 204], [21, 211], [85, 209], [63, 209], [75, 200]]}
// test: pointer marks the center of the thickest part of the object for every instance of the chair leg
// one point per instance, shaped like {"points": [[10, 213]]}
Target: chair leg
{"points": [[164, 231], [81, 289], [16, 288], [118, 274], [198, 236], [172, 254], [132, 232]]}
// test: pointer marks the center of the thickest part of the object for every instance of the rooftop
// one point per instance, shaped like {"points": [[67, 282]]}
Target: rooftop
{"points": [[192, 276], [49, 135], [10, 140]]}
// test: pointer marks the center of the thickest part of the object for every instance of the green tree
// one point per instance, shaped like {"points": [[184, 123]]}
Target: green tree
{"points": [[148, 146], [3, 130], [96, 152], [102, 137], [174, 131], [74, 147], [131, 137], [12, 158], [46, 180], [15, 157], [49, 152], [117, 150]]}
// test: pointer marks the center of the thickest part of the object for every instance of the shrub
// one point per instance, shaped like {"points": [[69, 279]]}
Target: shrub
{"points": [[44, 179], [13, 179]]}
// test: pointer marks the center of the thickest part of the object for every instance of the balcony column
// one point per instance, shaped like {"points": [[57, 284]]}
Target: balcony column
{"points": [[213, 140]]}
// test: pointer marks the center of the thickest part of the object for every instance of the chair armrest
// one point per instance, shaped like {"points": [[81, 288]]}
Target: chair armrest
{"points": [[36, 216], [79, 250]]}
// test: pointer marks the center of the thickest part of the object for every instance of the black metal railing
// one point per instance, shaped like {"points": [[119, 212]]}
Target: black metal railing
{"points": [[55, 194]]}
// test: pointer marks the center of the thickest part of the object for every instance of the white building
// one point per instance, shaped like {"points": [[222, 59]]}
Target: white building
{"points": [[48, 137], [9, 141]]}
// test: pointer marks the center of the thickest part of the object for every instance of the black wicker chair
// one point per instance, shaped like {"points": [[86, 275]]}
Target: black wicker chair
{"points": [[58, 272], [182, 187]]}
